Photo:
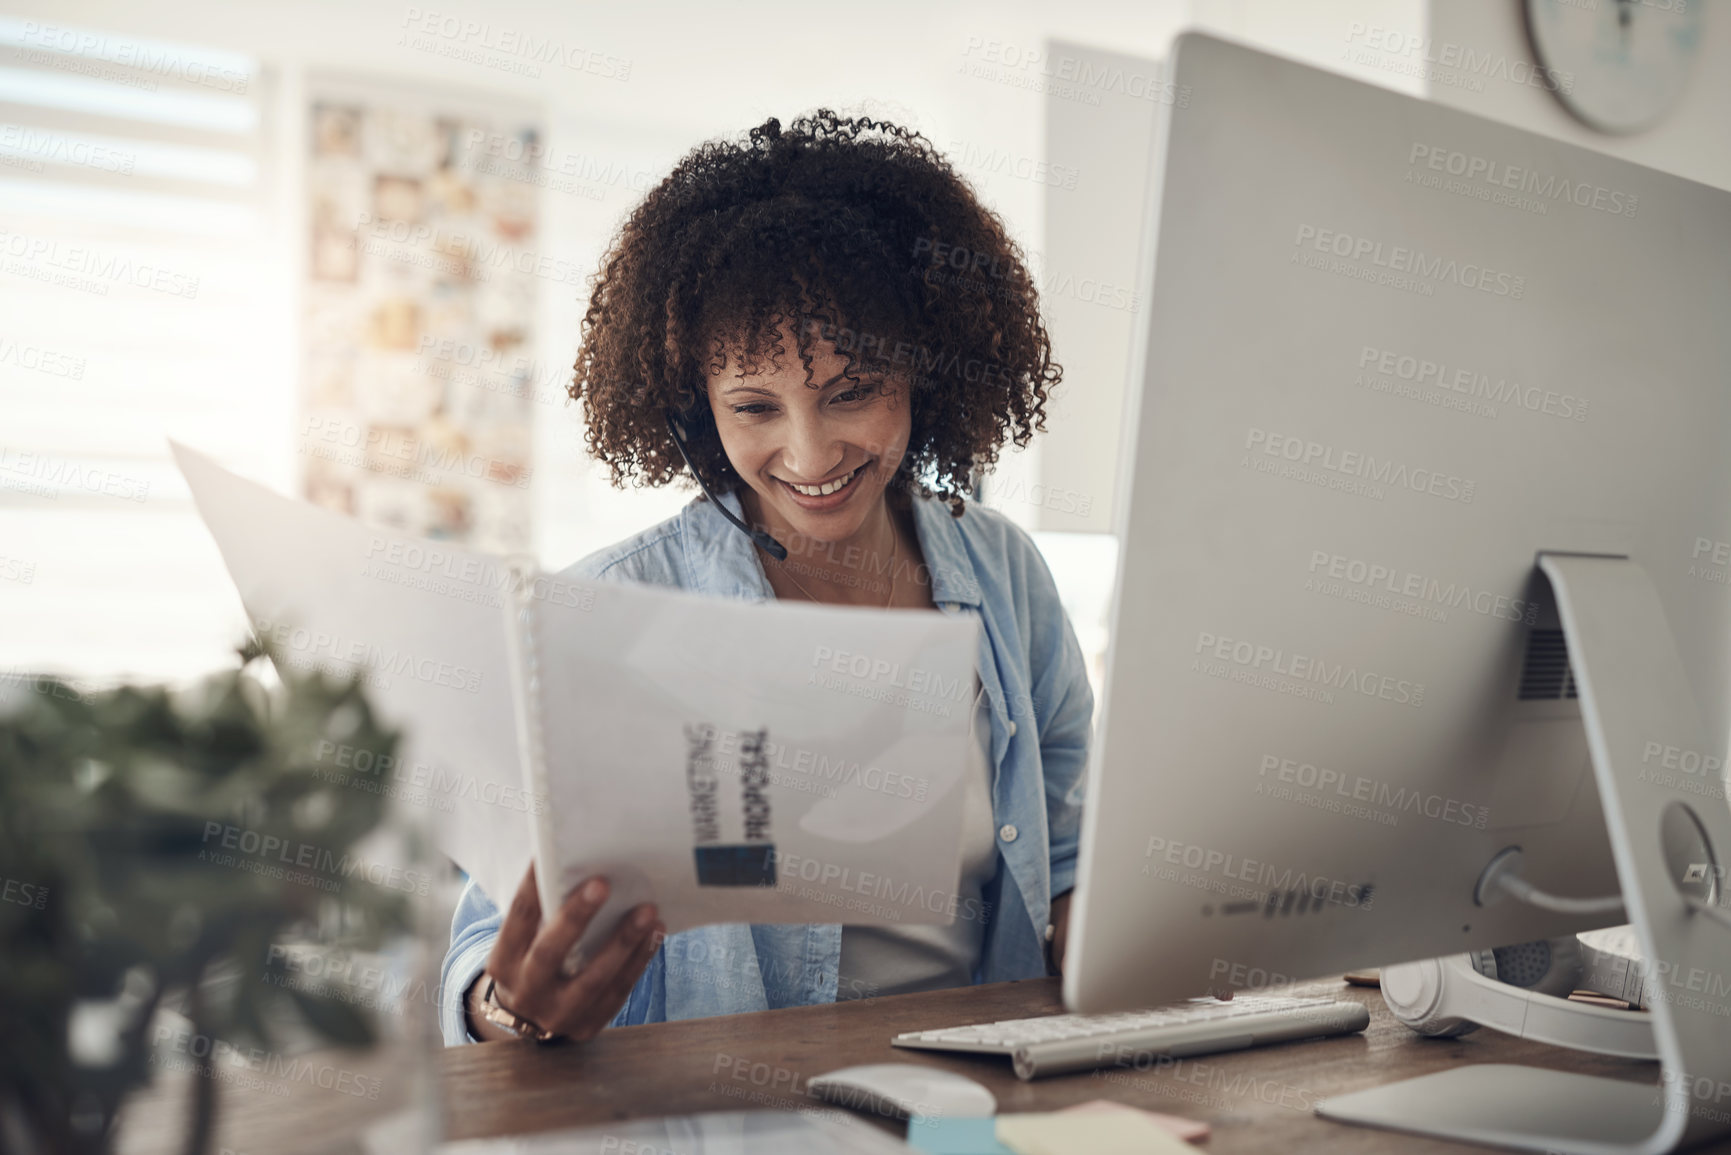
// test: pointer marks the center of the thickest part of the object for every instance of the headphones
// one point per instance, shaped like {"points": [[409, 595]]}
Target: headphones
{"points": [[1521, 989]]}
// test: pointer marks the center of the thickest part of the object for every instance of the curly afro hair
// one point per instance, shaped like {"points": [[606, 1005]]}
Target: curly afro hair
{"points": [[846, 230]]}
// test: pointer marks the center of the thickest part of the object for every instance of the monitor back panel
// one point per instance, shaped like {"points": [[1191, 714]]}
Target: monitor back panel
{"points": [[1392, 351]]}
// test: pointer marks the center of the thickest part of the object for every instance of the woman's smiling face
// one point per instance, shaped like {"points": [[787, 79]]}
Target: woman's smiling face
{"points": [[818, 459]]}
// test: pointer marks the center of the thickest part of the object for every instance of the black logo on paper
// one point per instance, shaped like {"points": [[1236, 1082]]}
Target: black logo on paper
{"points": [[747, 863]]}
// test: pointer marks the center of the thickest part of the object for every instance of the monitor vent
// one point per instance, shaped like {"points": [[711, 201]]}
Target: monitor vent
{"points": [[1546, 675], [1295, 901]]}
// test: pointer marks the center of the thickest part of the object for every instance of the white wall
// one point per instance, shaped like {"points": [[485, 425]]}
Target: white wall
{"points": [[1694, 140], [691, 71], [695, 71]]}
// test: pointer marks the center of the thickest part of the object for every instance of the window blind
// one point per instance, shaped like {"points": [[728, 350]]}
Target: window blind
{"points": [[145, 292]]}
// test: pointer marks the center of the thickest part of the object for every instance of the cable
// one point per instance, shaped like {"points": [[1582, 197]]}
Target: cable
{"points": [[1500, 876], [1519, 888]]}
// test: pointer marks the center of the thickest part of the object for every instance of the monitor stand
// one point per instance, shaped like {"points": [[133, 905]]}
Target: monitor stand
{"points": [[1633, 691]]}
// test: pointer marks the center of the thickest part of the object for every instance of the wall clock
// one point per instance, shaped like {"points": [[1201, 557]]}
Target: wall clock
{"points": [[1617, 65]]}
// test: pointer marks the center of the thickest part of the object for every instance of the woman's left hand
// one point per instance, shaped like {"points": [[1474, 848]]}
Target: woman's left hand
{"points": [[1060, 928]]}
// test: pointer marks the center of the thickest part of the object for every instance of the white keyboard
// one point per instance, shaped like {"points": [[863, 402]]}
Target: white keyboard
{"points": [[1057, 1044]]}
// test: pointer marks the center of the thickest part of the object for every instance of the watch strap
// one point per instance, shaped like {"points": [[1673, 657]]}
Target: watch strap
{"points": [[495, 1013]]}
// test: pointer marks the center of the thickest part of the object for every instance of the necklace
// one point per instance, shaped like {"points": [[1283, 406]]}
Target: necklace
{"points": [[895, 544]]}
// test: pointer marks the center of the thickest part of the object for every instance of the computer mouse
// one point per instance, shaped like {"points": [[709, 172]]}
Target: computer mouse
{"points": [[899, 1090]]}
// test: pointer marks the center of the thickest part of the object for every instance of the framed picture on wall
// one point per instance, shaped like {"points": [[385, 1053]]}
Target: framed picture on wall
{"points": [[419, 310]]}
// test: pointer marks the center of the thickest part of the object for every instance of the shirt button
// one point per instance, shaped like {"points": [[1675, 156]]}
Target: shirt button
{"points": [[1012, 727], [1007, 832]]}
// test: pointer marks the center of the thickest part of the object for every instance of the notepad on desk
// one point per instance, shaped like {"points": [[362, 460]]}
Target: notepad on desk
{"points": [[1098, 1127]]}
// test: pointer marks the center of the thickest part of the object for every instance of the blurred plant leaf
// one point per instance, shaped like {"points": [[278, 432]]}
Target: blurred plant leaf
{"points": [[176, 835], [334, 1019]]}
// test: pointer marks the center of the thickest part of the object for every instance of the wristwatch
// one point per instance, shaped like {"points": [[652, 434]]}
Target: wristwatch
{"points": [[515, 1023]]}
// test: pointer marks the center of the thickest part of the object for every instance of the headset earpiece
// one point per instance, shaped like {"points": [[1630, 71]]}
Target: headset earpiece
{"points": [[1547, 967], [1415, 992]]}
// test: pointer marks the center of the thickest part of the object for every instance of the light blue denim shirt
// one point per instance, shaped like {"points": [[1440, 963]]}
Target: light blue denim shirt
{"points": [[1036, 682]]}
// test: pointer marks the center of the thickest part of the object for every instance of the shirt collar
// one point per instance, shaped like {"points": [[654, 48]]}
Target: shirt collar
{"points": [[722, 562]]}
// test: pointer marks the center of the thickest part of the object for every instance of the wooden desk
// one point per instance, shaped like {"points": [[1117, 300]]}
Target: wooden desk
{"points": [[1257, 1101]]}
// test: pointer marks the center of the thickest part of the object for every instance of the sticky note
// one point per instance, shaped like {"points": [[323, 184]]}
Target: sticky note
{"points": [[1190, 1130], [1087, 1133], [947, 1135]]}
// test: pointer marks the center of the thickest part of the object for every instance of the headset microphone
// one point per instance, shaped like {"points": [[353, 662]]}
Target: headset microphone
{"points": [[774, 548]]}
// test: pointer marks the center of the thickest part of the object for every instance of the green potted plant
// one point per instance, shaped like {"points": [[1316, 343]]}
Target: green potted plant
{"points": [[124, 885]]}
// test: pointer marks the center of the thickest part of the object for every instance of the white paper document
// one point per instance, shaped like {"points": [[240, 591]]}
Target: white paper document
{"points": [[715, 1133], [728, 761]]}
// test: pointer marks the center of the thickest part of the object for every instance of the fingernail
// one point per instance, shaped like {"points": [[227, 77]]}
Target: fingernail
{"points": [[643, 917], [594, 890]]}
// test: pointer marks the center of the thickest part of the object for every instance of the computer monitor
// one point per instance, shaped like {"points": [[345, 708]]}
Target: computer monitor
{"points": [[1394, 355]]}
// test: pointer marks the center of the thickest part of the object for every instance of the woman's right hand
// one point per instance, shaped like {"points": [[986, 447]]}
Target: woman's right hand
{"points": [[529, 952]]}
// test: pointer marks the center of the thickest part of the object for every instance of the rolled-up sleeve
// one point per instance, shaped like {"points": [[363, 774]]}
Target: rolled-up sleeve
{"points": [[474, 926]]}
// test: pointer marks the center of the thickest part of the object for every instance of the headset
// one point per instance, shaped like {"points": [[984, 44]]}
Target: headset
{"points": [[759, 537], [1521, 989]]}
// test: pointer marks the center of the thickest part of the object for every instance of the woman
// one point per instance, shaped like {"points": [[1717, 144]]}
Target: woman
{"points": [[841, 335]]}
